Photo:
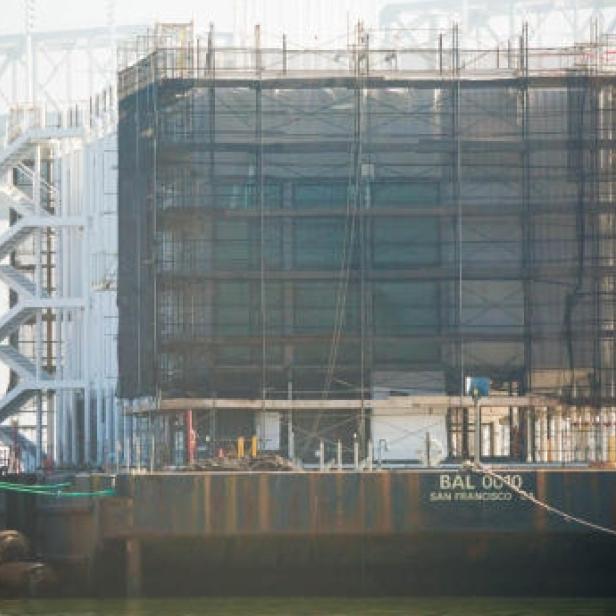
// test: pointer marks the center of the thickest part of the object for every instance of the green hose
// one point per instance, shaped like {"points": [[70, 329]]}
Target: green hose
{"points": [[106, 492], [52, 489], [42, 486]]}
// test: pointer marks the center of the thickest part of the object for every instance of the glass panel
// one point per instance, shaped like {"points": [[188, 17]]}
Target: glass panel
{"points": [[319, 243], [323, 196], [243, 354], [234, 354], [315, 307], [244, 196], [400, 242], [232, 250], [274, 303], [237, 244], [188, 188], [272, 243], [492, 306], [232, 308], [405, 307], [238, 308], [395, 194], [317, 354], [407, 350]]}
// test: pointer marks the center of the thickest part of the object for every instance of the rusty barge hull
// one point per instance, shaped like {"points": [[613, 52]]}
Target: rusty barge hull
{"points": [[402, 532]]}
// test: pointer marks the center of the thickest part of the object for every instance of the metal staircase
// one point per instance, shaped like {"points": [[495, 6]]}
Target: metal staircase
{"points": [[14, 236], [28, 448], [15, 317], [12, 197], [14, 279], [31, 297], [15, 399], [18, 149], [21, 365]]}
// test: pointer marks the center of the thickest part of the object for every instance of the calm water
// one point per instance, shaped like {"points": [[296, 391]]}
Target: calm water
{"points": [[313, 607]]}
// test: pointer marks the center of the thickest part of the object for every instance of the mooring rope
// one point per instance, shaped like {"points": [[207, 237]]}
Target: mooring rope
{"points": [[549, 508]]}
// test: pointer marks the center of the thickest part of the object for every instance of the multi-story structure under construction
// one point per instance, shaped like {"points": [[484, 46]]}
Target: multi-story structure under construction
{"points": [[318, 246]]}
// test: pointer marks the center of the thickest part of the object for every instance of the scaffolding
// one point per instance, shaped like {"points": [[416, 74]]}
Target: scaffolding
{"points": [[55, 172], [358, 223]]}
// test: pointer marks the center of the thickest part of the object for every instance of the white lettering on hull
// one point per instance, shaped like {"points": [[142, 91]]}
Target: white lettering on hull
{"points": [[468, 488]]}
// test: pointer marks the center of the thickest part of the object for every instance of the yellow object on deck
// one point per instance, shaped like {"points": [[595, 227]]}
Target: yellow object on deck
{"points": [[253, 446], [240, 447], [611, 449]]}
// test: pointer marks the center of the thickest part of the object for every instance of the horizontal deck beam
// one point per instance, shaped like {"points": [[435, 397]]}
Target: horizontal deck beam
{"points": [[401, 404]]}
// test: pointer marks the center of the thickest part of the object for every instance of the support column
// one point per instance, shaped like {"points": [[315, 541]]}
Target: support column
{"points": [[543, 418], [58, 449], [109, 428], [290, 434], [584, 436], [87, 427], [38, 280], [578, 436], [530, 436], [477, 445], [67, 454], [593, 432], [527, 226], [557, 432], [189, 438], [537, 425], [565, 431], [611, 441], [465, 443], [116, 409], [574, 435], [50, 412], [133, 568], [127, 442], [74, 411], [39, 429], [602, 435], [100, 425]]}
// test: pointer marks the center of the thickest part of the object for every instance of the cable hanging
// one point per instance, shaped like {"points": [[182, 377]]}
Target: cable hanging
{"points": [[53, 490], [567, 517]]}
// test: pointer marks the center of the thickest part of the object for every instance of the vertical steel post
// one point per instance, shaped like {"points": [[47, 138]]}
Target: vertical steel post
{"points": [[100, 425], [38, 275], [189, 437], [530, 436], [526, 216], [290, 435], [477, 456], [152, 440], [258, 49], [284, 54], [39, 429], [456, 170]]}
